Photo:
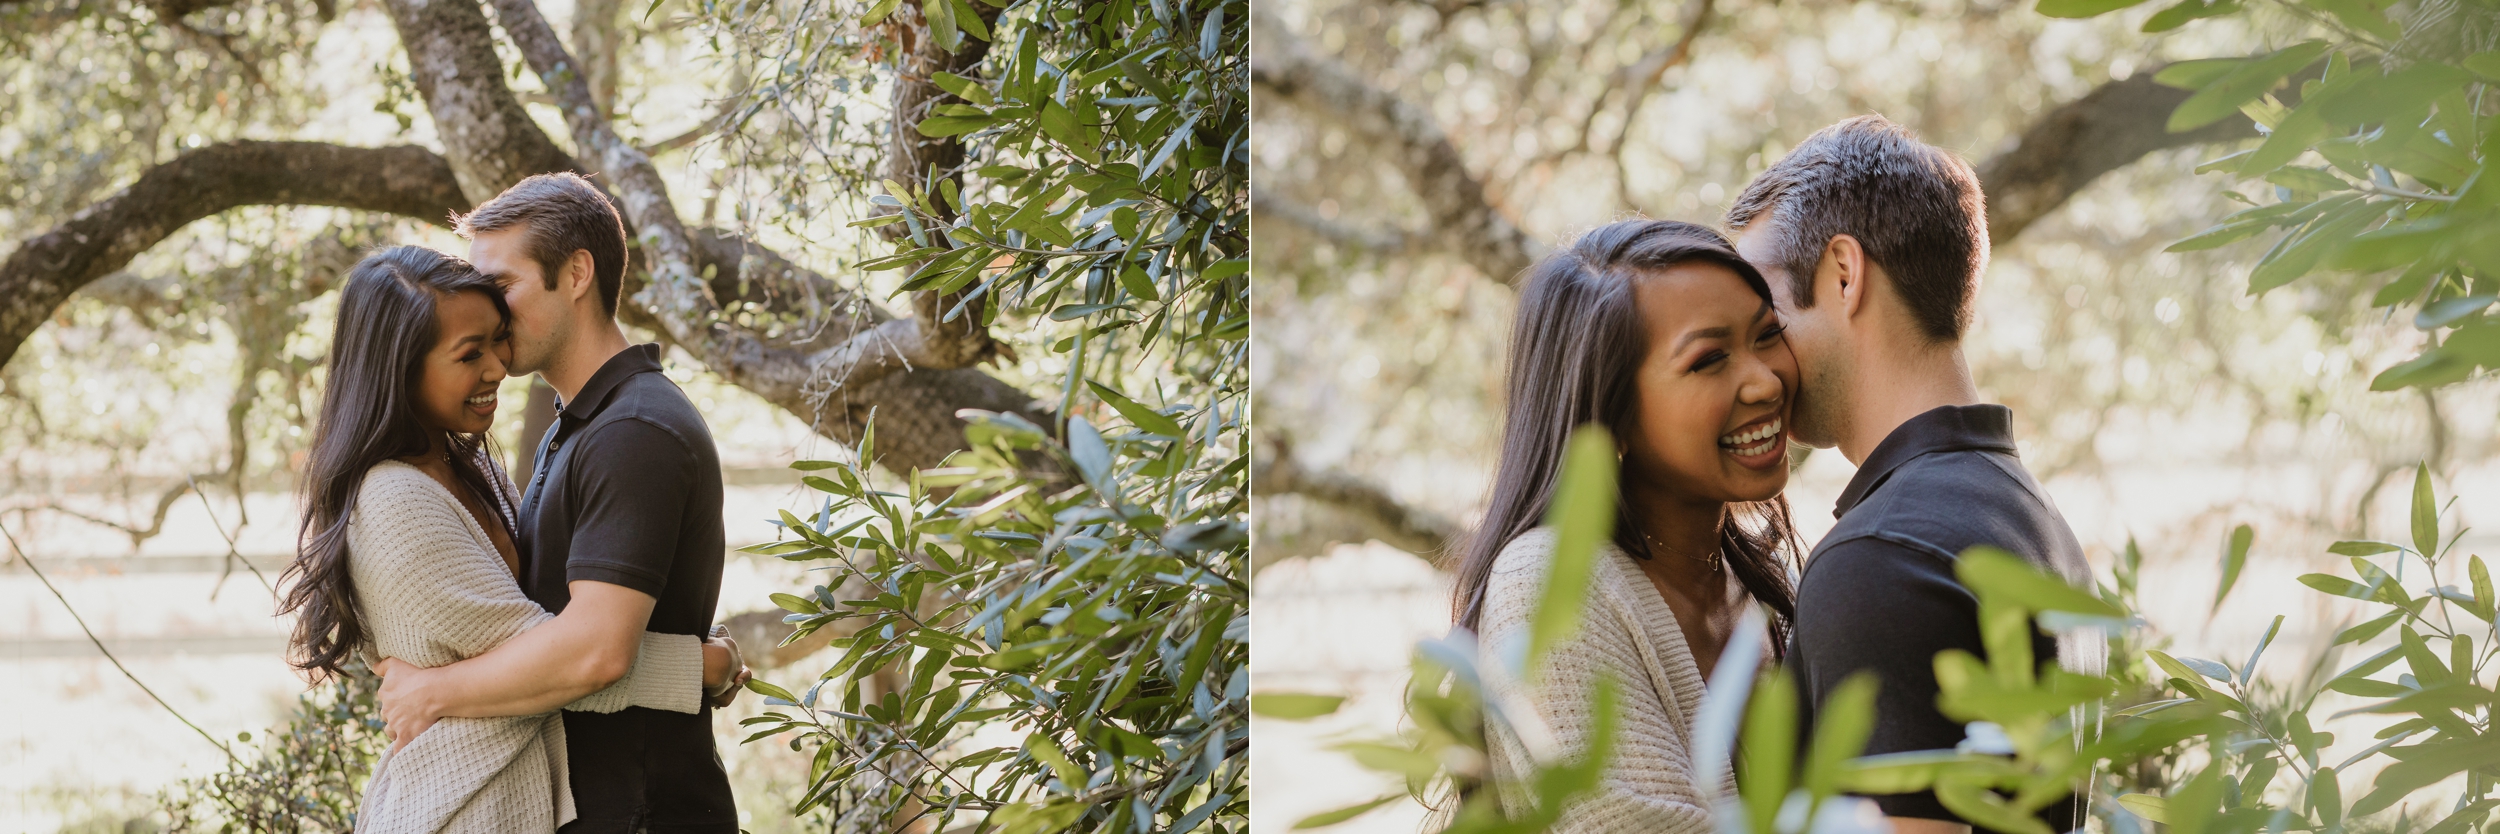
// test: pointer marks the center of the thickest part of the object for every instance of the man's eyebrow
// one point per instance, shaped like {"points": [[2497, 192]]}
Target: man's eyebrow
{"points": [[1704, 333]]}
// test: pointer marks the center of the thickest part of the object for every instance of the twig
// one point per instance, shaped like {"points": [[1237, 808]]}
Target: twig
{"points": [[108, 653], [233, 555]]}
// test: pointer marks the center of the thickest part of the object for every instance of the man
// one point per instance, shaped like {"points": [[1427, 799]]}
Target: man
{"points": [[1873, 243], [620, 525]]}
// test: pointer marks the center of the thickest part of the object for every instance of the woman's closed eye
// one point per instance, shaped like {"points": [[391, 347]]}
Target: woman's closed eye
{"points": [[1771, 334], [1709, 360]]}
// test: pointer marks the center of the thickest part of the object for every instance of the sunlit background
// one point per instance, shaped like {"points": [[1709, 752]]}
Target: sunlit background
{"points": [[2157, 399]]}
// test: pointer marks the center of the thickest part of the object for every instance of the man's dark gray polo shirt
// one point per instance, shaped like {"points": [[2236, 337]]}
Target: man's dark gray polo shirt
{"points": [[628, 492], [1879, 592]]}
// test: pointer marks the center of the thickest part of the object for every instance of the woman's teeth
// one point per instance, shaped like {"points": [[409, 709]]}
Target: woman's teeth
{"points": [[482, 400], [1757, 441]]}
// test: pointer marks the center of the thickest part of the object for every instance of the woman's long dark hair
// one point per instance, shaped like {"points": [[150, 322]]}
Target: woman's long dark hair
{"points": [[386, 324], [1575, 346]]}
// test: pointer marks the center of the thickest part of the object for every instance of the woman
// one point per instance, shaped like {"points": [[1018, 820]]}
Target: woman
{"points": [[407, 549], [1659, 332]]}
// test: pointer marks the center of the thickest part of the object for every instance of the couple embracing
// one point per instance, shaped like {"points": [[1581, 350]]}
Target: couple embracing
{"points": [[543, 649], [1834, 318]]}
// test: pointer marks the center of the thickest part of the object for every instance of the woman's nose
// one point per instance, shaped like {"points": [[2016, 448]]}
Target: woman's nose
{"points": [[1761, 385]]}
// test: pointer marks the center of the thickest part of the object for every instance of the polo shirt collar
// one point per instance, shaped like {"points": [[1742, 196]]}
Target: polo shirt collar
{"points": [[1950, 428], [626, 363]]}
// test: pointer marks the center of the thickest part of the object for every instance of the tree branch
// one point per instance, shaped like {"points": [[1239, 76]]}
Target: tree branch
{"points": [[684, 305], [42, 274], [1407, 528], [1460, 217], [2117, 123], [1376, 241]]}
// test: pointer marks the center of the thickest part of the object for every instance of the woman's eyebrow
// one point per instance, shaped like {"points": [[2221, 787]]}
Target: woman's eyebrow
{"points": [[464, 340], [1704, 333]]}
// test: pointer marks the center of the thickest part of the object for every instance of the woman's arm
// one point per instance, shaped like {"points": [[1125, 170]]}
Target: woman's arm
{"points": [[586, 649]]}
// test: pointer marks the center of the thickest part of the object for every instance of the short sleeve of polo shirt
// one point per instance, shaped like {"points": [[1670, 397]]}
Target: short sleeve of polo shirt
{"points": [[1870, 604], [630, 478]]}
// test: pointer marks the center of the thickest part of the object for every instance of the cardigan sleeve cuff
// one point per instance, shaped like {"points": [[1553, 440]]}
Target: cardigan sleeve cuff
{"points": [[667, 675]]}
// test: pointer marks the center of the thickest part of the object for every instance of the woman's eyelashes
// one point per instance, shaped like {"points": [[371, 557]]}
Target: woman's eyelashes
{"points": [[1771, 334], [1709, 360]]}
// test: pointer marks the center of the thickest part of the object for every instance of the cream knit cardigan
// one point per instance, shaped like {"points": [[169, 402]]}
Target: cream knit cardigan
{"points": [[434, 591], [1628, 633]]}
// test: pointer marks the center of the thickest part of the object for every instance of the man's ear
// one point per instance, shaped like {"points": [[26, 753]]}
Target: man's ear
{"points": [[1842, 275], [581, 275]]}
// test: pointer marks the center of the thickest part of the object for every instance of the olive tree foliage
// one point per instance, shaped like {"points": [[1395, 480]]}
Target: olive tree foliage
{"points": [[2379, 130], [1049, 632]]}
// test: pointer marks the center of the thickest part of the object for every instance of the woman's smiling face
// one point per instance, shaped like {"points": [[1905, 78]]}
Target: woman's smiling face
{"points": [[456, 388], [1711, 395]]}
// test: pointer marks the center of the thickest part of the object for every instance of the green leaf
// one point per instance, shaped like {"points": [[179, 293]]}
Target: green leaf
{"points": [[1992, 571], [1137, 283], [2195, 74], [1292, 706], [2361, 548], [2486, 65], [2234, 557], [1060, 123], [2185, 12], [2403, 95], [2250, 668], [1137, 413], [1328, 818], [759, 687], [2083, 8], [1897, 772], [1582, 517], [2426, 765], [2359, 14], [2148, 806], [2307, 179], [1767, 754], [2425, 513], [2223, 96], [2447, 312], [2370, 629], [2326, 796], [1047, 752], [942, 126], [1984, 807], [2219, 236], [1841, 727]]}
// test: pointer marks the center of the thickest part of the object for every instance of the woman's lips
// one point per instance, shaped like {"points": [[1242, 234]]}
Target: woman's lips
{"points": [[1759, 445]]}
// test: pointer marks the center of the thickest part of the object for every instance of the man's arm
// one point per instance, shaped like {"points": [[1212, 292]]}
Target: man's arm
{"points": [[1872, 605], [583, 650]]}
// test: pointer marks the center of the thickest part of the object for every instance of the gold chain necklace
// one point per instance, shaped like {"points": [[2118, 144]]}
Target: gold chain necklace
{"points": [[1717, 560]]}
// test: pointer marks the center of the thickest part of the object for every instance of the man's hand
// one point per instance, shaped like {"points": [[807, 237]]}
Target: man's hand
{"points": [[408, 707], [724, 668], [1914, 825], [731, 694]]}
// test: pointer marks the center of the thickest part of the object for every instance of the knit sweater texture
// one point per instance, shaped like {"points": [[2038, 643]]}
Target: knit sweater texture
{"points": [[434, 591], [1627, 633]]}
